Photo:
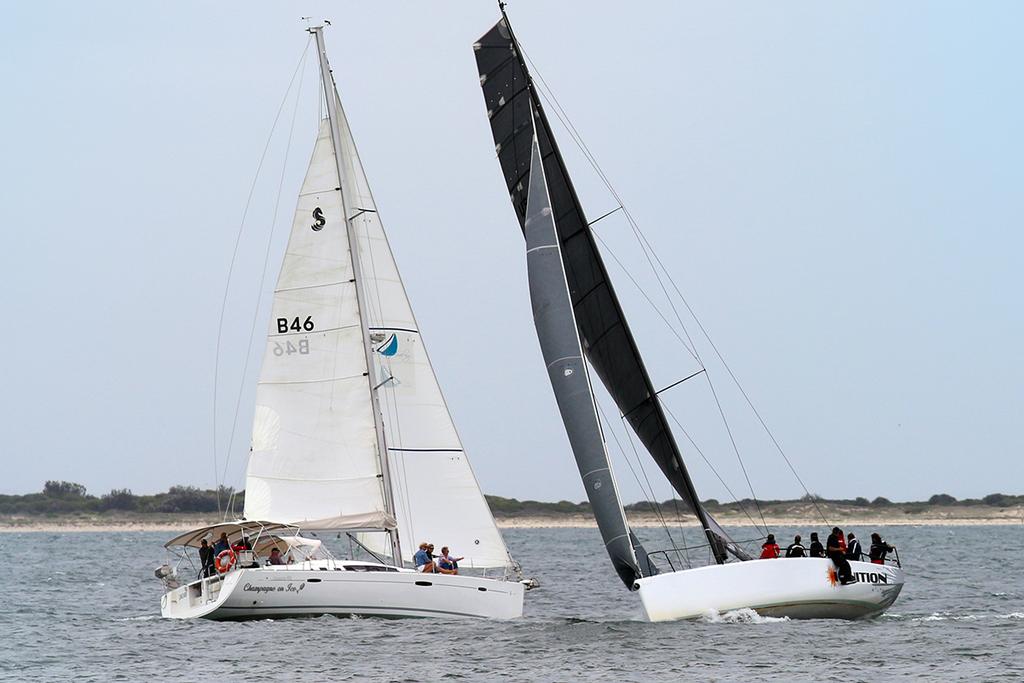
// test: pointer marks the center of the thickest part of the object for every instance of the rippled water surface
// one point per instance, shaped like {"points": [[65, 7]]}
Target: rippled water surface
{"points": [[86, 606]]}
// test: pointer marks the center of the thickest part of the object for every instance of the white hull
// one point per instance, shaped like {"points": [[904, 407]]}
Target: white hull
{"points": [[275, 592], [800, 588]]}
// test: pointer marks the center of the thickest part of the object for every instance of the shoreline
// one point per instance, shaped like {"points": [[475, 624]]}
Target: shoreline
{"points": [[847, 518]]}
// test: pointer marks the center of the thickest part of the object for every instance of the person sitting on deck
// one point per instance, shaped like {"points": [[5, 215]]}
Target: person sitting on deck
{"points": [[853, 551], [770, 549], [796, 549], [221, 544], [817, 549], [878, 549], [423, 561], [275, 557], [447, 564], [834, 548]]}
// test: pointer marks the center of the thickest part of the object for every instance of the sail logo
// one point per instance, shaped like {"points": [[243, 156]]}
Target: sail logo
{"points": [[318, 220], [390, 347], [875, 578]]}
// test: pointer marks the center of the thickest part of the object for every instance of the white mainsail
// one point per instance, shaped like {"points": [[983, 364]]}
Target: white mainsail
{"points": [[314, 450], [315, 455]]}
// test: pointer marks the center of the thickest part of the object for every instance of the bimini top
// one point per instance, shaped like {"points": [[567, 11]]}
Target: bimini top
{"points": [[235, 530], [372, 521], [304, 548]]}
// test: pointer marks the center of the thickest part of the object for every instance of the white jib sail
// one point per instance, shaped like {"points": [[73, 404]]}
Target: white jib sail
{"points": [[436, 494], [314, 449]]}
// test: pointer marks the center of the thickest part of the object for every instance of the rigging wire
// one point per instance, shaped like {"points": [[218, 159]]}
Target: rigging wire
{"points": [[234, 259], [649, 491], [654, 500], [710, 466], [739, 386], [266, 259], [649, 253]]}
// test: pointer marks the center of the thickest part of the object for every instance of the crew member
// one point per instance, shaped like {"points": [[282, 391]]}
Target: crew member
{"points": [[769, 549], [206, 557], [796, 549], [834, 549], [422, 559], [853, 551], [878, 549], [817, 549]]}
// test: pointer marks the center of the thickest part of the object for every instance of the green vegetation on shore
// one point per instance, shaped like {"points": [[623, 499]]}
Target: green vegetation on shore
{"points": [[68, 498]]}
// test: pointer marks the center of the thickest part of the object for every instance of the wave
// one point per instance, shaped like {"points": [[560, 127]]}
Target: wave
{"points": [[739, 616], [144, 617], [947, 616]]}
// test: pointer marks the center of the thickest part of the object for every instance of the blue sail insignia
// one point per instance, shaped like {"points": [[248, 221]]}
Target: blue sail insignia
{"points": [[390, 347]]}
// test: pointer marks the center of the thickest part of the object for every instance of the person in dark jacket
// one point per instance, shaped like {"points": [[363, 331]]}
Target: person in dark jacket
{"points": [[817, 549], [853, 551], [796, 549], [221, 544], [206, 557], [878, 549], [834, 550]]}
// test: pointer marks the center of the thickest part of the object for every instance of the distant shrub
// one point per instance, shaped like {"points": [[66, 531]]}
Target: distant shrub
{"points": [[942, 499], [998, 499], [185, 499], [63, 489], [860, 501], [881, 501], [119, 499]]}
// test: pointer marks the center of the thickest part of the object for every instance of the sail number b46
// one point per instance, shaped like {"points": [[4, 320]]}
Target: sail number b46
{"points": [[295, 325]]}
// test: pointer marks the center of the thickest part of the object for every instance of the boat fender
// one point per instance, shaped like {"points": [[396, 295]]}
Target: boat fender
{"points": [[225, 560]]}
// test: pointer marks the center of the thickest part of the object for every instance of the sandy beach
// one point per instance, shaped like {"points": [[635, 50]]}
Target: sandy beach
{"points": [[974, 515]]}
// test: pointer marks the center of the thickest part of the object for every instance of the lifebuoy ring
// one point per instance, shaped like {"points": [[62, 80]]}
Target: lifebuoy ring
{"points": [[225, 560]]}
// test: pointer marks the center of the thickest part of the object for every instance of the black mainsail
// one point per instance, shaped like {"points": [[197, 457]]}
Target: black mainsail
{"points": [[517, 118]]}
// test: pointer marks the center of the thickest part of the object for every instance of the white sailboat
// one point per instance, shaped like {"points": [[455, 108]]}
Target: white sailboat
{"points": [[351, 434], [580, 321]]}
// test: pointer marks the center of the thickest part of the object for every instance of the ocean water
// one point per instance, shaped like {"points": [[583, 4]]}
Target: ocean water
{"points": [[85, 606]]}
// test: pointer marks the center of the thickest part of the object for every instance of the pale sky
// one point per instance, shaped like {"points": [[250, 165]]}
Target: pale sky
{"points": [[835, 188]]}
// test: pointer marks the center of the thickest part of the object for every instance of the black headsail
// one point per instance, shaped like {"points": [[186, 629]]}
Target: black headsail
{"points": [[513, 107]]}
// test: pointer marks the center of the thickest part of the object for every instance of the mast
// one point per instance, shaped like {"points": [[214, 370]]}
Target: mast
{"points": [[643, 408], [330, 95]]}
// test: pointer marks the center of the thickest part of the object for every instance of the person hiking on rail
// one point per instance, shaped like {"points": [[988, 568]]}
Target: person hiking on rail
{"points": [[834, 549], [769, 549], [817, 549], [853, 551], [878, 549], [796, 549]]}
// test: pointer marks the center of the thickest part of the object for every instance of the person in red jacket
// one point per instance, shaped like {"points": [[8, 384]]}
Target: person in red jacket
{"points": [[770, 549]]}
